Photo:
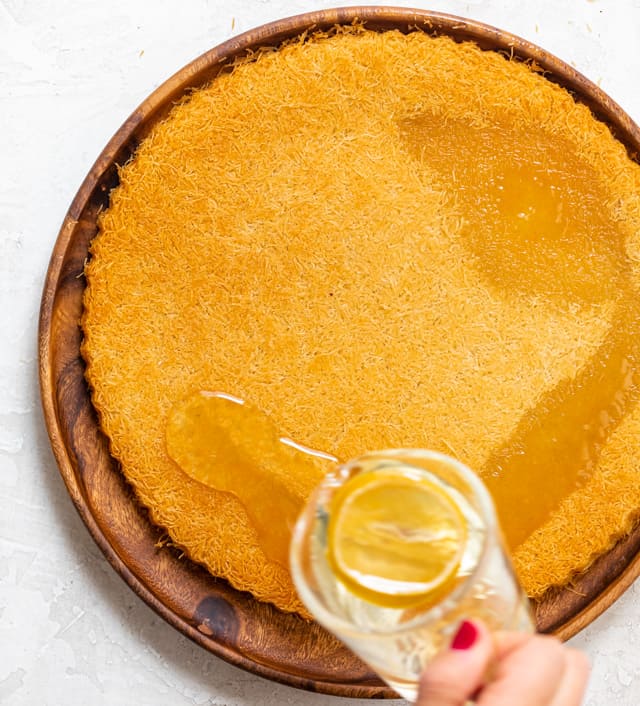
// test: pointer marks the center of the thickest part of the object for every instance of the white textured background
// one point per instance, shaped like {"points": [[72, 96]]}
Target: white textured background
{"points": [[71, 632]]}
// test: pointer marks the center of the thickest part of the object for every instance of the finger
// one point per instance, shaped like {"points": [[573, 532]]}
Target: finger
{"points": [[528, 672], [454, 675], [574, 683], [507, 642]]}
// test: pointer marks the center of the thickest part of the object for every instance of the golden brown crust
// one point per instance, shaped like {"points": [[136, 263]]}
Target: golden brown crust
{"points": [[275, 238]]}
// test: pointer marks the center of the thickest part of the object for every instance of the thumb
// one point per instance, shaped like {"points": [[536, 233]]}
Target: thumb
{"points": [[452, 677]]}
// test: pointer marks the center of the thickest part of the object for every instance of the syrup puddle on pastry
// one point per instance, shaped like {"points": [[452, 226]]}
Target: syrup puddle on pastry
{"points": [[536, 224], [227, 444]]}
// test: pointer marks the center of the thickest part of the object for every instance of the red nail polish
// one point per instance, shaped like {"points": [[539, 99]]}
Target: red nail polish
{"points": [[465, 637]]}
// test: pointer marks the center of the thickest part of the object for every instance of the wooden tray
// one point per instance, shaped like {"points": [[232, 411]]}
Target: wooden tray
{"points": [[227, 622]]}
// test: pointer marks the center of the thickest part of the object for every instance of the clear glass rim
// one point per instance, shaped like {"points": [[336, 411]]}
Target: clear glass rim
{"points": [[492, 536]]}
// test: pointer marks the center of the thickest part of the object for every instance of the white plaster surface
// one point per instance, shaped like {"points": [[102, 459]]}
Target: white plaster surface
{"points": [[71, 631]]}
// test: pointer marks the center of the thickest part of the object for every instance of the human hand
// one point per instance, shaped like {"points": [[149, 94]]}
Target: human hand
{"points": [[504, 669]]}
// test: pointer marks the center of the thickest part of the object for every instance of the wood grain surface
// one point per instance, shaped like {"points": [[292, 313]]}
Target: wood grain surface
{"points": [[231, 624]]}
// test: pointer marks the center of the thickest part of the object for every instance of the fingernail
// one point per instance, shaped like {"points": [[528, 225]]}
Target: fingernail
{"points": [[465, 637]]}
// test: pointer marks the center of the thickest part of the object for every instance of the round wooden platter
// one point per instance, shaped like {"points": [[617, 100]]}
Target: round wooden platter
{"points": [[231, 624]]}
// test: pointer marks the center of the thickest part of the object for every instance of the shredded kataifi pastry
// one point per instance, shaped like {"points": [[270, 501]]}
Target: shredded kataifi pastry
{"points": [[380, 240]]}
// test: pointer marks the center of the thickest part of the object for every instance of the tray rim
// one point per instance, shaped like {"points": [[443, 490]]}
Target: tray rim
{"points": [[194, 74]]}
